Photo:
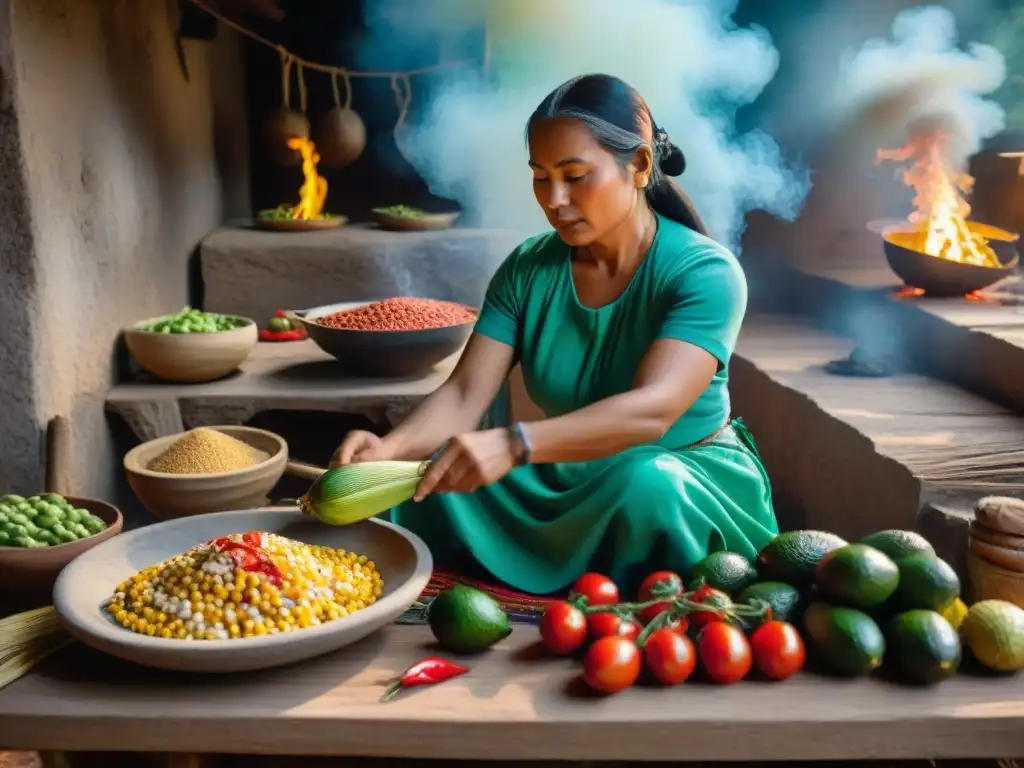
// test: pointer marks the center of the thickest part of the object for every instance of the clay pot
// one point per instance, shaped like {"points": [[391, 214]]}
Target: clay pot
{"points": [[283, 124], [340, 137], [995, 554]]}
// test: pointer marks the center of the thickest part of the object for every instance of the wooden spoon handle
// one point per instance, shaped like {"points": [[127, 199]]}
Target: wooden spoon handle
{"points": [[58, 456], [303, 470]]}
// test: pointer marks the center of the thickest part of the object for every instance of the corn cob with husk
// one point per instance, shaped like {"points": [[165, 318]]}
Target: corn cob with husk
{"points": [[355, 492]]}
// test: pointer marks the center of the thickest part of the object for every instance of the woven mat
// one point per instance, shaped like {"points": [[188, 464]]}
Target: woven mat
{"points": [[521, 608]]}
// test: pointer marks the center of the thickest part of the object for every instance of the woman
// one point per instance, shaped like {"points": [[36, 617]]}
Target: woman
{"points": [[624, 319]]}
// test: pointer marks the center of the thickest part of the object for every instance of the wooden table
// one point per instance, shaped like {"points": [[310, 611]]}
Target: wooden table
{"points": [[514, 705]]}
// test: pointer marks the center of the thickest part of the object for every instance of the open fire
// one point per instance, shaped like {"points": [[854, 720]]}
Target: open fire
{"points": [[940, 227], [313, 191], [938, 251]]}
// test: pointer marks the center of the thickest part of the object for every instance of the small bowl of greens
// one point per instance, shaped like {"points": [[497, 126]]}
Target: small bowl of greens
{"points": [[191, 346], [282, 219], [41, 534], [405, 218]]}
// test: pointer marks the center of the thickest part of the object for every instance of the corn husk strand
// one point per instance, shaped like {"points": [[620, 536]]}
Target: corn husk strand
{"points": [[356, 492], [26, 639]]}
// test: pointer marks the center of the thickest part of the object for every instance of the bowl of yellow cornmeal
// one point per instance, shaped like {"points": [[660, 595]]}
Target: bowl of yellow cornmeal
{"points": [[207, 469]]}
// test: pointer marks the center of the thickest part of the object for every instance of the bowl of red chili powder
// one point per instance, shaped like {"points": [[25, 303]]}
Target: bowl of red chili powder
{"points": [[397, 337]]}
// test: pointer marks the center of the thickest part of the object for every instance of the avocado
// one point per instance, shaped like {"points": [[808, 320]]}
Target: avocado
{"points": [[857, 575], [725, 571], [792, 556], [924, 645], [786, 601], [898, 544], [846, 640], [466, 620], [926, 581]]}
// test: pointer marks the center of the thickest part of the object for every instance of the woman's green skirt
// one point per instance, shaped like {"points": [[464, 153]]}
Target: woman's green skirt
{"points": [[644, 509]]}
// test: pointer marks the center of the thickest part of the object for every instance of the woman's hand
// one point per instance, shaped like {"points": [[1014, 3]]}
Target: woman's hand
{"points": [[358, 446], [470, 461]]}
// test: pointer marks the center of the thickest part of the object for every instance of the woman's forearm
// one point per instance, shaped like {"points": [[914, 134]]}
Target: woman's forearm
{"points": [[442, 415], [458, 405], [598, 430]]}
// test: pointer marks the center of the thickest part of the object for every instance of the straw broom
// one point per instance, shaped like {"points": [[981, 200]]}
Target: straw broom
{"points": [[26, 639]]}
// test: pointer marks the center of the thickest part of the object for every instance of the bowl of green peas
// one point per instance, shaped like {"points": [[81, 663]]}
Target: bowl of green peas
{"points": [[41, 534], [191, 346]]}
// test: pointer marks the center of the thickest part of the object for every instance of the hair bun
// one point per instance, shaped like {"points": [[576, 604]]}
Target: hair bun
{"points": [[671, 159]]}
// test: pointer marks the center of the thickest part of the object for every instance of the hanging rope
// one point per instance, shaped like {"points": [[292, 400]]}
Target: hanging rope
{"points": [[325, 67], [286, 78], [337, 93], [303, 93], [402, 86]]}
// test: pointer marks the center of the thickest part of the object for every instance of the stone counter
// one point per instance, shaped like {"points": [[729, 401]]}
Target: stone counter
{"points": [[252, 273], [296, 376]]}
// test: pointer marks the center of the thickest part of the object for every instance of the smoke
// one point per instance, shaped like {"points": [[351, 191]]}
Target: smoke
{"points": [[694, 66], [918, 78]]}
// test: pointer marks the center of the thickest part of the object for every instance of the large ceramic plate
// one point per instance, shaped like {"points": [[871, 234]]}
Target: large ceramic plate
{"points": [[85, 586]]}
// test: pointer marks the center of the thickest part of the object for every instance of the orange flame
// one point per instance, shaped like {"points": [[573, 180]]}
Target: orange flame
{"points": [[940, 208], [313, 191]]}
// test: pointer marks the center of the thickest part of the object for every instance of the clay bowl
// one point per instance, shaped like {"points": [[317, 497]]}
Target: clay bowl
{"points": [[171, 496], [424, 223], [84, 588], [942, 277], [385, 354], [190, 358], [298, 225], [33, 569]]}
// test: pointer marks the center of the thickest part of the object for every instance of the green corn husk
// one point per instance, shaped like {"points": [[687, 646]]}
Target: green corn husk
{"points": [[356, 492]]}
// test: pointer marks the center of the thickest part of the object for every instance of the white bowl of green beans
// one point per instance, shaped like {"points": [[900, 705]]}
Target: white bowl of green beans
{"points": [[191, 346]]}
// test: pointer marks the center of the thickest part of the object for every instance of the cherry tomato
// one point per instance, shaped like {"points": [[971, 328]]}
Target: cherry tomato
{"points": [[710, 597], [598, 589], [680, 625], [668, 580], [724, 652], [778, 650], [701, 592], [670, 657], [607, 624], [563, 628], [612, 664]]}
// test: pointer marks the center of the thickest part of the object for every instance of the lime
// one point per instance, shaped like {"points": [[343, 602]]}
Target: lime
{"points": [[466, 620]]}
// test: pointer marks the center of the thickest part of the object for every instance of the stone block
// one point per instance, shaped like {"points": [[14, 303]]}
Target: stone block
{"points": [[252, 273]]}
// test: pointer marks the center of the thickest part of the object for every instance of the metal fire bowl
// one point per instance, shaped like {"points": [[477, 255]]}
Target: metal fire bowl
{"points": [[942, 277]]}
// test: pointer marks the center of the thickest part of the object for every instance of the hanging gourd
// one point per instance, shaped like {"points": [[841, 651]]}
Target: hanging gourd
{"points": [[285, 123], [340, 134]]}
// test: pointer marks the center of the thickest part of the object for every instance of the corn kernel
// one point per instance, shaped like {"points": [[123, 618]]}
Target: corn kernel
{"points": [[199, 595]]}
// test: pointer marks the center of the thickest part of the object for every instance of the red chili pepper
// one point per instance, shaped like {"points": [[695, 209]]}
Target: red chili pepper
{"points": [[248, 558], [429, 671], [296, 334]]}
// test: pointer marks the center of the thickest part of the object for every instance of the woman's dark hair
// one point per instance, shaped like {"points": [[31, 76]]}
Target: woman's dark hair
{"points": [[617, 117]]}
